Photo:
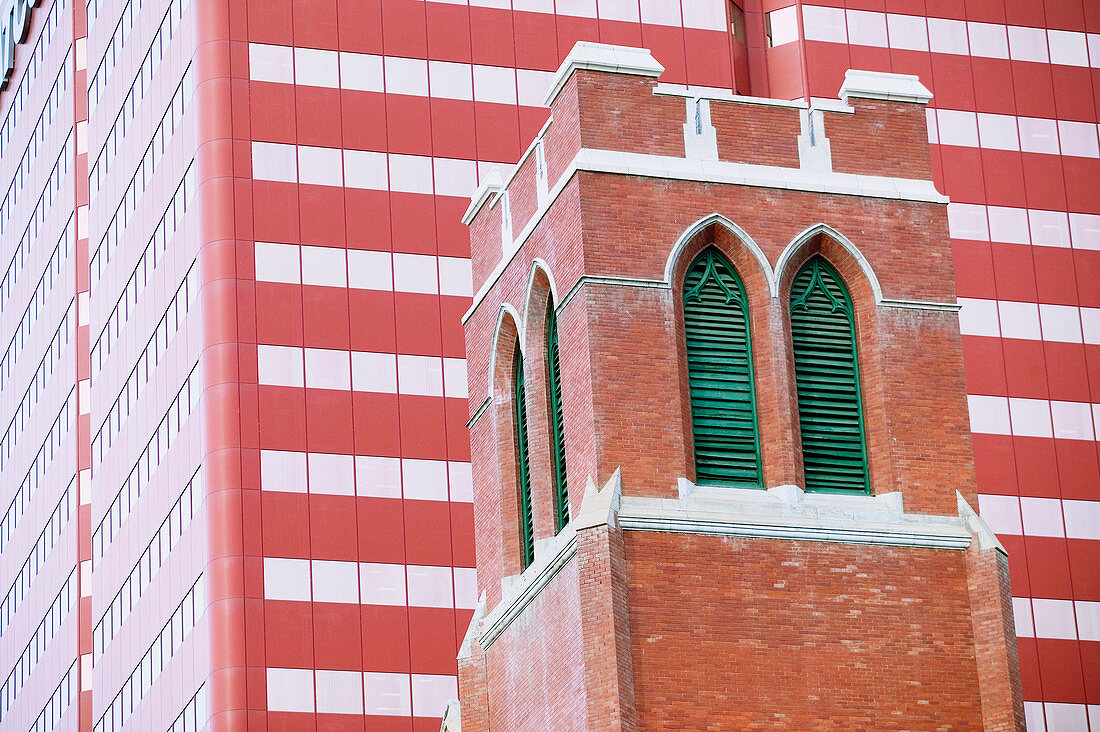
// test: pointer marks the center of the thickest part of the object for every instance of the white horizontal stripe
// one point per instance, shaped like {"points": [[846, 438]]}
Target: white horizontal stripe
{"points": [[943, 35], [1060, 717], [398, 75], [353, 692], [384, 373], [998, 415], [362, 269], [368, 170], [963, 128], [1037, 227], [369, 583], [288, 471], [1029, 321], [1056, 618], [1052, 517]]}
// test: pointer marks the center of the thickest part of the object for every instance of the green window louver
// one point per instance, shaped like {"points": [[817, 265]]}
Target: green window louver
{"points": [[557, 422], [720, 376], [523, 467], [830, 411]]}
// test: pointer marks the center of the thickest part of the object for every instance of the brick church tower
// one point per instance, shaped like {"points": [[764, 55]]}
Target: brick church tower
{"points": [[723, 476]]}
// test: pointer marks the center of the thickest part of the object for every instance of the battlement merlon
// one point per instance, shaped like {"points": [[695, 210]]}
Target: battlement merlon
{"points": [[609, 113]]}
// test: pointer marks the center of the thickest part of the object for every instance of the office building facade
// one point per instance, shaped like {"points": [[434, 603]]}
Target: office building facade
{"points": [[235, 474]]}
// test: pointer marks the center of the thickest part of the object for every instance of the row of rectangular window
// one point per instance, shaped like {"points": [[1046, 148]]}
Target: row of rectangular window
{"points": [[66, 329], [369, 583], [1029, 321], [385, 373], [37, 138], [143, 78], [323, 691], [195, 713], [1009, 132], [36, 558], [58, 703], [34, 59], [156, 658], [158, 143], [22, 253], [139, 278], [43, 459], [1056, 716], [42, 291], [1038, 617], [397, 75], [942, 35], [363, 269], [1050, 517], [151, 560], [146, 364], [43, 635], [1009, 225], [1025, 417], [155, 450], [136, 188], [170, 220], [366, 476], [120, 35], [37, 219], [367, 169]]}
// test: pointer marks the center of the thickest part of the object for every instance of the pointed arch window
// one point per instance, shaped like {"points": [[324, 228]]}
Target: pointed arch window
{"points": [[557, 422], [523, 466], [720, 374], [830, 410]]}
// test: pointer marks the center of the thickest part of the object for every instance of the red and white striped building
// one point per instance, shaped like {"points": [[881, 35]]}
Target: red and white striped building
{"points": [[234, 474]]}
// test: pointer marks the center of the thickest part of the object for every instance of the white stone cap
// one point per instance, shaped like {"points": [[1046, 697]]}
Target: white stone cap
{"points": [[489, 187], [880, 85], [603, 57]]}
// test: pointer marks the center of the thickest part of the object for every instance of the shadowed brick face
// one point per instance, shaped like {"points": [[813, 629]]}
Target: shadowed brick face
{"points": [[800, 635]]}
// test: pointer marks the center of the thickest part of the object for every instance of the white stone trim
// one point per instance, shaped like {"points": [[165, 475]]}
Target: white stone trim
{"points": [[538, 263], [722, 95], [762, 176], [452, 717], [786, 512], [952, 307], [720, 220], [505, 309], [880, 85], [611, 281], [809, 233], [603, 57], [491, 186], [481, 408], [525, 587], [978, 527]]}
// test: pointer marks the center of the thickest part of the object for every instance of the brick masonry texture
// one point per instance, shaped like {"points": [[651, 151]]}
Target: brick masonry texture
{"points": [[668, 631]]}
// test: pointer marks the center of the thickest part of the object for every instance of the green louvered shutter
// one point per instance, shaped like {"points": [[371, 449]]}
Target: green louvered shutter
{"points": [[830, 413], [557, 422], [523, 468], [719, 357]]}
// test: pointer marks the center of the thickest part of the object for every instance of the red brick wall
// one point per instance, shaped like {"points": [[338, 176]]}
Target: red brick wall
{"points": [[534, 671], [759, 633], [756, 133], [895, 143]]}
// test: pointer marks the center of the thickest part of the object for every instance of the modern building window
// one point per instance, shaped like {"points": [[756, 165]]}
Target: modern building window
{"points": [[830, 411], [739, 39], [557, 422], [523, 466], [720, 376]]}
